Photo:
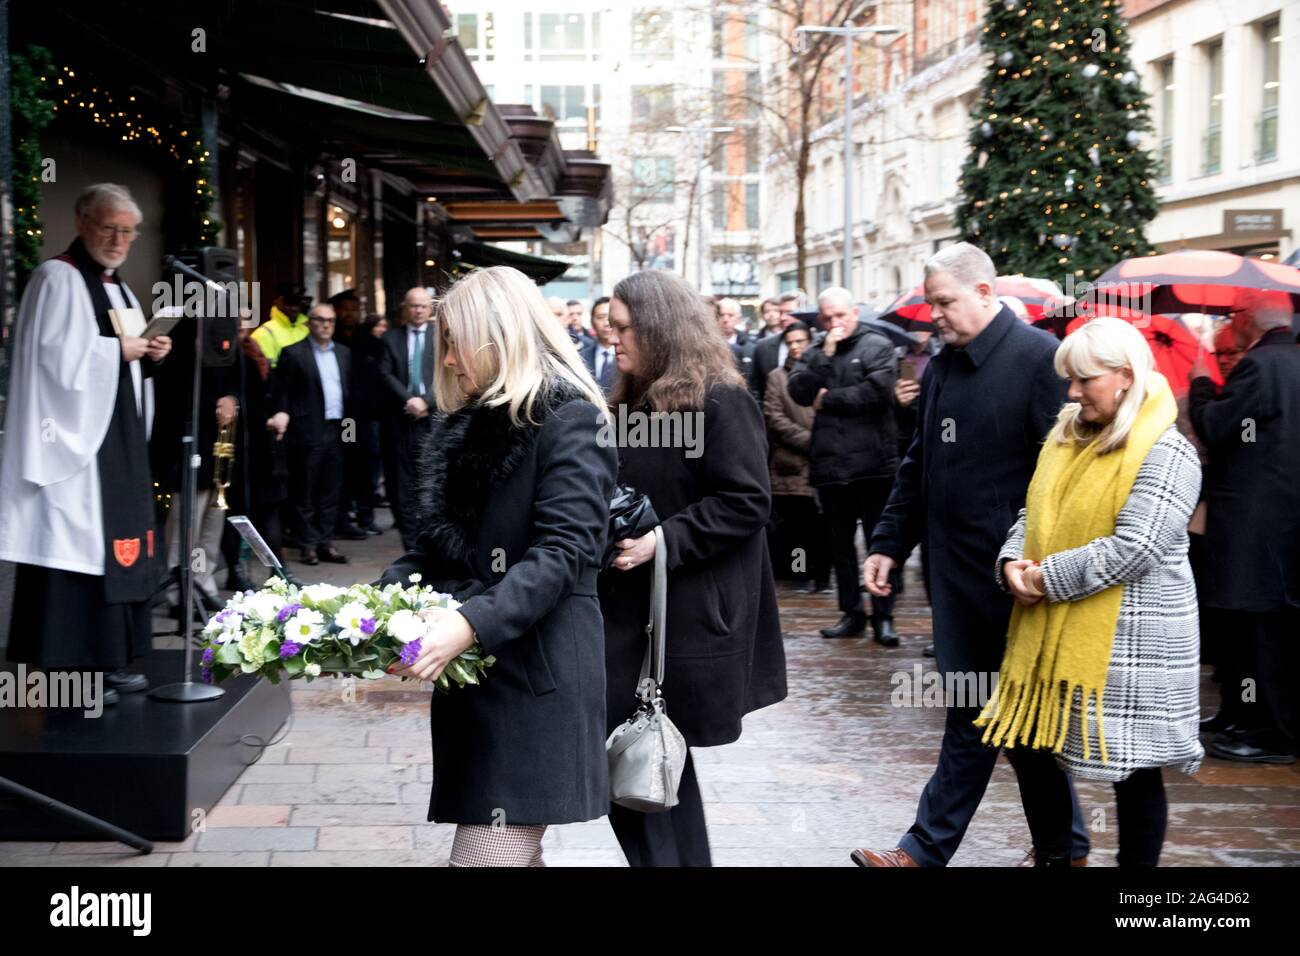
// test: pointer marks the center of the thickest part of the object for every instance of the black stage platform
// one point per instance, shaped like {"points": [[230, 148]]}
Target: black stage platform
{"points": [[144, 765]]}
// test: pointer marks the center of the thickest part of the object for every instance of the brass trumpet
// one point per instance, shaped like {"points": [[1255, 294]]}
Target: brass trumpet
{"points": [[223, 460]]}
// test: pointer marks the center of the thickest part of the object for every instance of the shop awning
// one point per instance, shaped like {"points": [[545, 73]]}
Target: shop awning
{"points": [[538, 269]]}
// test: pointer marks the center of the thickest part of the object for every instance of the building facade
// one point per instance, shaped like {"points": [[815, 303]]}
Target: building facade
{"points": [[1222, 80]]}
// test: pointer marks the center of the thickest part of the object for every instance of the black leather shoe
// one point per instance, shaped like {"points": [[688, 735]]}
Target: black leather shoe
{"points": [[1226, 747], [1216, 724], [351, 533], [293, 579], [125, 682], [332, 556], [883, 629], [211, 601], [372, 528], [309, 558], [929, 651], [110, 697], [850, 625]]}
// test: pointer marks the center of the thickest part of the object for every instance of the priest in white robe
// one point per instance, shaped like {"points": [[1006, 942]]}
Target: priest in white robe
{"points": [[76, 494]]}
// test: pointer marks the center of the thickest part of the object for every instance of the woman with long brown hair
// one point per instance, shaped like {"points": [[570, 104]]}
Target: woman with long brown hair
{"points": [[691, 437]]}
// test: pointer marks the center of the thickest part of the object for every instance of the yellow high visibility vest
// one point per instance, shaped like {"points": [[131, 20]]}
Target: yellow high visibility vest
{"points": [[278, 333]]}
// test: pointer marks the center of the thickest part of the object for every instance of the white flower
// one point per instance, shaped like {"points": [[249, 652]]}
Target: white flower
{"points": [[264, 606], [349, 618], [406, 626], [305, 626], [317, 593], [415, 578], [312, 670]]}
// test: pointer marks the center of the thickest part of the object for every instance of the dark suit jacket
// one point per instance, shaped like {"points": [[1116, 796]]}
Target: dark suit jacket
{"points": [[1251, 432], [982, 415], [587, 350], [392, 366], [297, 389], [765, 356]]}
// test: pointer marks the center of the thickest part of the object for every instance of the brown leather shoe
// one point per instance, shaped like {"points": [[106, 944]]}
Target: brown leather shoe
{"points": [[894, 857], [1030, 859]]}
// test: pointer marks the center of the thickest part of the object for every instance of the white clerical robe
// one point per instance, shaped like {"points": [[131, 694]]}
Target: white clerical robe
{"points": [[62, 391]]}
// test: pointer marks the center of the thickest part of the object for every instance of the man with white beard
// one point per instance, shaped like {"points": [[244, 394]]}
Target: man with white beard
{"points": [[76, 493]]}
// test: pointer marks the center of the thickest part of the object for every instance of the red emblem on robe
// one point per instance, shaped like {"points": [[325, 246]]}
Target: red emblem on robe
{"points": [[126, 550], [148, 537]]}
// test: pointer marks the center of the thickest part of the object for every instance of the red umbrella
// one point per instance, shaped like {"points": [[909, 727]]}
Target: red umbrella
{"points": [[911, 312], [1173, 345], [1194, 280]]}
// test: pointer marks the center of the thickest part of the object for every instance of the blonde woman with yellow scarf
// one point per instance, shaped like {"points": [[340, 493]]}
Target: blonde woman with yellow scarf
{"points": [[1102, 657]]}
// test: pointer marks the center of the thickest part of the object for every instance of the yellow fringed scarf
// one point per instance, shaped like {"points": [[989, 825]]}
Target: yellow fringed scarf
{"points": [[1055, 648]]}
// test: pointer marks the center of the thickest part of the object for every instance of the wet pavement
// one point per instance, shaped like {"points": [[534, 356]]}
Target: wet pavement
{"points": [[834, 766]]}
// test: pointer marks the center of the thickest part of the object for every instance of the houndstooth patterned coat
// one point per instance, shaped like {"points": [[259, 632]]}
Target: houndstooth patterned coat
{"points": [[1150, 707]]}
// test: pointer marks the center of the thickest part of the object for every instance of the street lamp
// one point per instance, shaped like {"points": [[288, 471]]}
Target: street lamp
{"points": [[703, 132], [850, 33]]}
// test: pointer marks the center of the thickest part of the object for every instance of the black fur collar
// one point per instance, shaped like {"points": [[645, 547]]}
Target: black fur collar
{"points": [[466, 456]]}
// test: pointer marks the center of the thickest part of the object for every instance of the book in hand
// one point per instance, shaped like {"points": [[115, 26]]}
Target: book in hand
{"points": [[130, 322]]}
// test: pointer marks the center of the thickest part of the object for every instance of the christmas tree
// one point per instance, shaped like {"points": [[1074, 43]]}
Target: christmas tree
{"points": [[1056, 184]]}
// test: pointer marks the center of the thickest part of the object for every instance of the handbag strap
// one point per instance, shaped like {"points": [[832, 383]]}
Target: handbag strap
{"points": [[652, 666]]}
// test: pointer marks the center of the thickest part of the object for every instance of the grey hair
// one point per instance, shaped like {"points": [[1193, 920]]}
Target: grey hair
{"points": [[728, 303], [794, 295], [968, 264], [316, 310], [835, 295], [109, 195]]}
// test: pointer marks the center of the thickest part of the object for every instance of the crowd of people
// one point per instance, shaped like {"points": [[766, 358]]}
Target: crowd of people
{"points": [[1082, 534]]}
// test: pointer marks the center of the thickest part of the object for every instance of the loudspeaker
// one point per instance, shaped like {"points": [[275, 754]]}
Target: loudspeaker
{"points": [[221, 324]]}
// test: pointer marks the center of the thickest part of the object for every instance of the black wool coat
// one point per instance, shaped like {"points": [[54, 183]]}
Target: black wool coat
{"points": [[982, 415], [1251, 432], [514, 526], [725, 656]]}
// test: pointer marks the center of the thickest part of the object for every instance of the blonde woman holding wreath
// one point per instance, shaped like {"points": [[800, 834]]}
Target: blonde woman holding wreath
{"points": [[515, 486], [1102, 658]]}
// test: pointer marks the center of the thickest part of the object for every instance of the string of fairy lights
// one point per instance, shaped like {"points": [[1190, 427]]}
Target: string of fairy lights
{"points": [[69, 93]]}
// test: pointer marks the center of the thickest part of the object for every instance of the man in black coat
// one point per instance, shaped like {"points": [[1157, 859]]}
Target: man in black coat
{"points": [[770, 352], [405, 365], [848, 377], [1251, 432], [987, 402], [598, 350], [311, 391]]}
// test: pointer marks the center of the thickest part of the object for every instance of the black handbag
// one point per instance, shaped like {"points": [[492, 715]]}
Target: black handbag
{"points": [[630, 516]]}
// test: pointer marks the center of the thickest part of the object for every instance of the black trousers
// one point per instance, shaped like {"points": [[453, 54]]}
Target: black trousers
{"points": [[402, 439], [800, 526], [676, 837], [1143, 812], [1267, 653], [845, 506], [358, 488], [317, 475], [954, 792]]}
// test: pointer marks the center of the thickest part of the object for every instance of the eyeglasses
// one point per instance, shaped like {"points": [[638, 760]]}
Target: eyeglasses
{"points": [[110, 232]]}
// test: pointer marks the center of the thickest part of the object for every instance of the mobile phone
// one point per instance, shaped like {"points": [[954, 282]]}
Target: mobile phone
{"points": [[907, 370]]}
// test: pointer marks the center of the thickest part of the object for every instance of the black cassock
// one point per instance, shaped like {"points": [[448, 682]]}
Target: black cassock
{"points": [[63, 619]]}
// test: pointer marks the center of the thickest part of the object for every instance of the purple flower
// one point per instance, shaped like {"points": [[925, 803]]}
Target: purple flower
{"points": [[222, 615], [288, 611], [208, 655], [205, 675], [289, 648], [367, 625], [410, 652]]}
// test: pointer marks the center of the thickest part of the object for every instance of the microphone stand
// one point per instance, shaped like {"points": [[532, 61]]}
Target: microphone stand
{"points": [[187, 691]]}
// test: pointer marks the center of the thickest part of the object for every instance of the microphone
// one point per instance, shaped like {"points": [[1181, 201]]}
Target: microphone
{"points": [[171, 262]]}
